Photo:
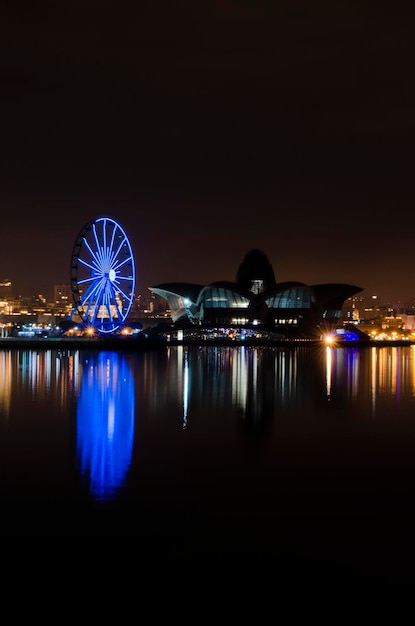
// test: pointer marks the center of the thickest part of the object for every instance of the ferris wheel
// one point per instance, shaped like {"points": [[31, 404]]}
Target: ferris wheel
{"points": [[102, 275]]}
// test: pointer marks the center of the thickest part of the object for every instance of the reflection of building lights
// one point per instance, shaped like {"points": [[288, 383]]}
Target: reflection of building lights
{"points": [[186, 389], [328, 370]]}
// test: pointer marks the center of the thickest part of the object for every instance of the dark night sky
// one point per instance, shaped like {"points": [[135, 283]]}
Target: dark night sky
{"points": [[207, 129]]}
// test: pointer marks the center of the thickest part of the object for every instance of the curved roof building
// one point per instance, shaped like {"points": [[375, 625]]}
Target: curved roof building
{"points": [[256, 302]]}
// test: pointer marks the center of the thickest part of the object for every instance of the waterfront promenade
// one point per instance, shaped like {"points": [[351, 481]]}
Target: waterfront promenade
{"points": [[161, 342], [85, 343]]}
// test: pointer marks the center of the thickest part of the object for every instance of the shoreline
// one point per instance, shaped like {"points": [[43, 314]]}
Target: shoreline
{"points": [[157, 343]]}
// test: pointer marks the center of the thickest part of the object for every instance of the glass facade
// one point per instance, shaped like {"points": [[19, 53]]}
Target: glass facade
{"points": [[221, 298], [175, 302], [295, 298]]}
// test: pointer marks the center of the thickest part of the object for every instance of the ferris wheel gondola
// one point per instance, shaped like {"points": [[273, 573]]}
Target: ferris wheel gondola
{"points": [[102, 275]]}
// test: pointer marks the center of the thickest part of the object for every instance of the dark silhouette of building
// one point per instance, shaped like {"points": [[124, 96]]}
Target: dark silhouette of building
{"points": [[255, 302]]}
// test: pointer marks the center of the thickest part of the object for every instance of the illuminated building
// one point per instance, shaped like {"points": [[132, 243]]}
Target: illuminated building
{"points": [[256, 303], [62, 295]]}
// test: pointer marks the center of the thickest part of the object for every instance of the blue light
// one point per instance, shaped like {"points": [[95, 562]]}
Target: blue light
{"points": [[105, 423], [103, 275], [347, 335]]}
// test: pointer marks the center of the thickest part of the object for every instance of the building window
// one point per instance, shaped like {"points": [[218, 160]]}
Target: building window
{"points": [[257, 286]]}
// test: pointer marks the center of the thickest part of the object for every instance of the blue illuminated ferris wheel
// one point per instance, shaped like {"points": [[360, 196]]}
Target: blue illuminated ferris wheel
{"points": [[102, 275]]}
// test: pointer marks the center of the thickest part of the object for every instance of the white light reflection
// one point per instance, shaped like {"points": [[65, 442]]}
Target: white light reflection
{"points": [[354, 360], [282, 374], [186, 388], [48, 368], [183, 385], [255, 366], [240, 378]]}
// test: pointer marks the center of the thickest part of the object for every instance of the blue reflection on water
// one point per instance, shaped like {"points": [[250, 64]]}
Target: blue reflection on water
{"points": [[105, 423]]}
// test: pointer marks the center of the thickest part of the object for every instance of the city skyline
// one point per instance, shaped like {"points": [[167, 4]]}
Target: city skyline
{"points": [[208, 131], [48, 298]]}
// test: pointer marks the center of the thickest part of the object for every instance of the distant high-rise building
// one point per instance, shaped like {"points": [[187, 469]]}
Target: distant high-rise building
{"points": [[62, 296], [5, 290]]}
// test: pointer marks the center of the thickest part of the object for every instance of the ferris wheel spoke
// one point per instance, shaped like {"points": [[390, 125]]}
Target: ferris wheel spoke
{"points": [[101, 255], [121, 263], [109, 308], [99, 300], [104, 234], [110, 229], [125, 278], [127, 297], [109, 253], [119, 247], [106, 306], [90, 308], [94, 315], [97, 242], [111, 258], [98, 303], [95, 289], [92, 252], [83, 281], [111, 246], [92, 291], [112, 299], [114, 254], [123, 281], [94, 259], [94, 267]]}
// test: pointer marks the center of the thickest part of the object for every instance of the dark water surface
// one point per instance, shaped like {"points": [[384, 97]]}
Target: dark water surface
{"points": [[304, 456]]}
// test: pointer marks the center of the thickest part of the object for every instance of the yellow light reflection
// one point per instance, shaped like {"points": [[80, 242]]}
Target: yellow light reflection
{"points": [[329, 364]]}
